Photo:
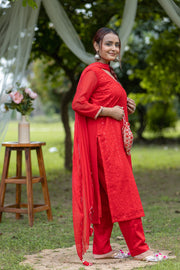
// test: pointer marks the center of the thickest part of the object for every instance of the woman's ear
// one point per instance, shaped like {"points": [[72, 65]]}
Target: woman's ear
{"points": [[96, 46]]}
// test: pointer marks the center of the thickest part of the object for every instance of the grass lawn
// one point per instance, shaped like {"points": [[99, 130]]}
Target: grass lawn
{"points": [[157, 173]]}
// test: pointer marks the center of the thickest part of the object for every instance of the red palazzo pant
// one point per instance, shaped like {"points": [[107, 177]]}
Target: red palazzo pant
{"points": [[132, 230]]}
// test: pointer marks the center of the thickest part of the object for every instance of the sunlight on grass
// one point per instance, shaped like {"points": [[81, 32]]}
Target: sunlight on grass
{"points": [[155, 157]]}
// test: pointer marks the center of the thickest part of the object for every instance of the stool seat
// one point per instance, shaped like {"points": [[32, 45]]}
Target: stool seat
{"points": [[27, 180], [21, 145]]}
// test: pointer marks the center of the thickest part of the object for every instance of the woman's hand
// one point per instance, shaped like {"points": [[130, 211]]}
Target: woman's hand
{"points": [[131, 106], [115, 112]]}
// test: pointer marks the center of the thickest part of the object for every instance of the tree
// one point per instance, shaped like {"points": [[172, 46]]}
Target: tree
{"points": [[148, 69]]}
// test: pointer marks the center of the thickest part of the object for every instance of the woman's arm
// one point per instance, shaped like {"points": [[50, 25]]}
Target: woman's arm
{"points": [[86, 86], [115, 112]]}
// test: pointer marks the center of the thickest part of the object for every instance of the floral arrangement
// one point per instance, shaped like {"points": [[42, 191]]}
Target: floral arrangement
{"points": [[21, 99]]}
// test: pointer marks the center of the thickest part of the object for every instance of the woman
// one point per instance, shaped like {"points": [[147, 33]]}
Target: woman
{"points": [[104, 189]]}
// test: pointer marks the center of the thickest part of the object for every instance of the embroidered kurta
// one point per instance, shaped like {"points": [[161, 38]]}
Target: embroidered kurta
{"points": [[97, 88]]}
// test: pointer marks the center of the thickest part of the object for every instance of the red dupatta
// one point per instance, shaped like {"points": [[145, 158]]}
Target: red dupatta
{"points": [[82, 186]]}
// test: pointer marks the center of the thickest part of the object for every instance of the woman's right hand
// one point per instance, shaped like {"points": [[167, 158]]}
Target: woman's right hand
{"points": [[115, 112]]}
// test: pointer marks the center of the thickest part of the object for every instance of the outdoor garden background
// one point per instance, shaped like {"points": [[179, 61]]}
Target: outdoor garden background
{"points": [[150, 74]]}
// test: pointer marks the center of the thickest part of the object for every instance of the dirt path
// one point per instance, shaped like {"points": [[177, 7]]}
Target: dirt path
{"points": [[62, 259]]}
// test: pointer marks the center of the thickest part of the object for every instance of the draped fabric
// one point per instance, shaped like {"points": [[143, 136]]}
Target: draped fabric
{"points": [[172, 10], [66, 30], [127, 22], [82, 190], [17, 26], [96, 88], [82, 184]]}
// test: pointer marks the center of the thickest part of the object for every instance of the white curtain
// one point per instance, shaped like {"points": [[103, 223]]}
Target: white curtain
{"points": [[17, 26], [128, 18], [172, 10], [66, 30]]}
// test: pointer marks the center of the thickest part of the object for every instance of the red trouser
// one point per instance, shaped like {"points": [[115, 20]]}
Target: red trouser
{"points": [[132, 230]]}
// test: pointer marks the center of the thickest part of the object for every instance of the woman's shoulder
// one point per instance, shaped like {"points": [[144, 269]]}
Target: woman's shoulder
{"points": [[90, 70], [92, 67]]}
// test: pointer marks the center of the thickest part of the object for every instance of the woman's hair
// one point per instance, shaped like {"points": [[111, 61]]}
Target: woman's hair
{"points": [[99, 38]]}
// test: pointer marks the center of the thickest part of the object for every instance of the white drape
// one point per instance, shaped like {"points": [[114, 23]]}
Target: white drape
{"points": [[172, 10], [128, 18], [17, 26], [66, 30]]}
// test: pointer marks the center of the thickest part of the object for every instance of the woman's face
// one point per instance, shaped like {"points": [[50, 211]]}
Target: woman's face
{"points": [[109, 48]]}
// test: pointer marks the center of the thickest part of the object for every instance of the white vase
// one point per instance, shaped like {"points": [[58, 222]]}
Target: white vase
{"points": [[23, 130]]}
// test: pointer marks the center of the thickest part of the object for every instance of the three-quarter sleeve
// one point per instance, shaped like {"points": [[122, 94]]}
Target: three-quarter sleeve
{"points": [[81, 102]]}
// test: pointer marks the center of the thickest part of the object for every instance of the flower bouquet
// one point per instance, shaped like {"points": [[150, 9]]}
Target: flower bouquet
{"points": [[21, 99]]}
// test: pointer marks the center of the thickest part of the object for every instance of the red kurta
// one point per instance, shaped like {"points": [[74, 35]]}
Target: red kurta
{"points": [[95, 89]]}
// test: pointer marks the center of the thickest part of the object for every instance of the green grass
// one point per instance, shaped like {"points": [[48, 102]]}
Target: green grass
{"points": [[157, 173]]}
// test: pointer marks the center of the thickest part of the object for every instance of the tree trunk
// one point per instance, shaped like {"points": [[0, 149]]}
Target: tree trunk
{"points": [[141, 112], [67, 97]]}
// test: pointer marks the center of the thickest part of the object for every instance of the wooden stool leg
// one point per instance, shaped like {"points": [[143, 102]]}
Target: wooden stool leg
{"points": [[29, 185], [4, 176], [44, 182], [18, 186]]}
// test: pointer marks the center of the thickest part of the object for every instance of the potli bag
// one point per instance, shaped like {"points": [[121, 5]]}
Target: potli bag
{"points": [[127, 136]]}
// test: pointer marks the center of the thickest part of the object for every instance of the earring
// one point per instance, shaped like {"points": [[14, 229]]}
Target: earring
{"points": [[97, 56]]}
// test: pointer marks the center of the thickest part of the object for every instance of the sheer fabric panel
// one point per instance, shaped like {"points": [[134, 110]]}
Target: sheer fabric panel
{"points": [[66, 30], [172, 10], [17, 26], [129, 14]]}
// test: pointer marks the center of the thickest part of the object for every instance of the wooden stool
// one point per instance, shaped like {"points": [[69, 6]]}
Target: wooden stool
{"points": [[28, 180]]}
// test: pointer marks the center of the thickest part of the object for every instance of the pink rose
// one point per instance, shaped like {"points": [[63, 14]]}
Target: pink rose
{"points": [[32, 94], [28, 91], [17, 97]]}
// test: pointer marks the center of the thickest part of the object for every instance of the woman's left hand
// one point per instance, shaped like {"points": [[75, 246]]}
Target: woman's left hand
{"points": [[131, 106]]}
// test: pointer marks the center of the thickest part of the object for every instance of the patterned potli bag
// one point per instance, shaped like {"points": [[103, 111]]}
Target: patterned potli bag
{"points": [[127, 136]]}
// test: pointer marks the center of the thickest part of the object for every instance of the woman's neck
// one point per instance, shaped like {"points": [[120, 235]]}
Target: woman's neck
{"points": [[103, 61]]}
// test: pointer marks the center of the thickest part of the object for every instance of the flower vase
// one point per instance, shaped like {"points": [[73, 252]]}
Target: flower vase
{"points": [[24, 130]]}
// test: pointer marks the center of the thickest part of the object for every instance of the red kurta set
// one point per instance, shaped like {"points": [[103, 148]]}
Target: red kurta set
{"points": [[100, 163]]}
